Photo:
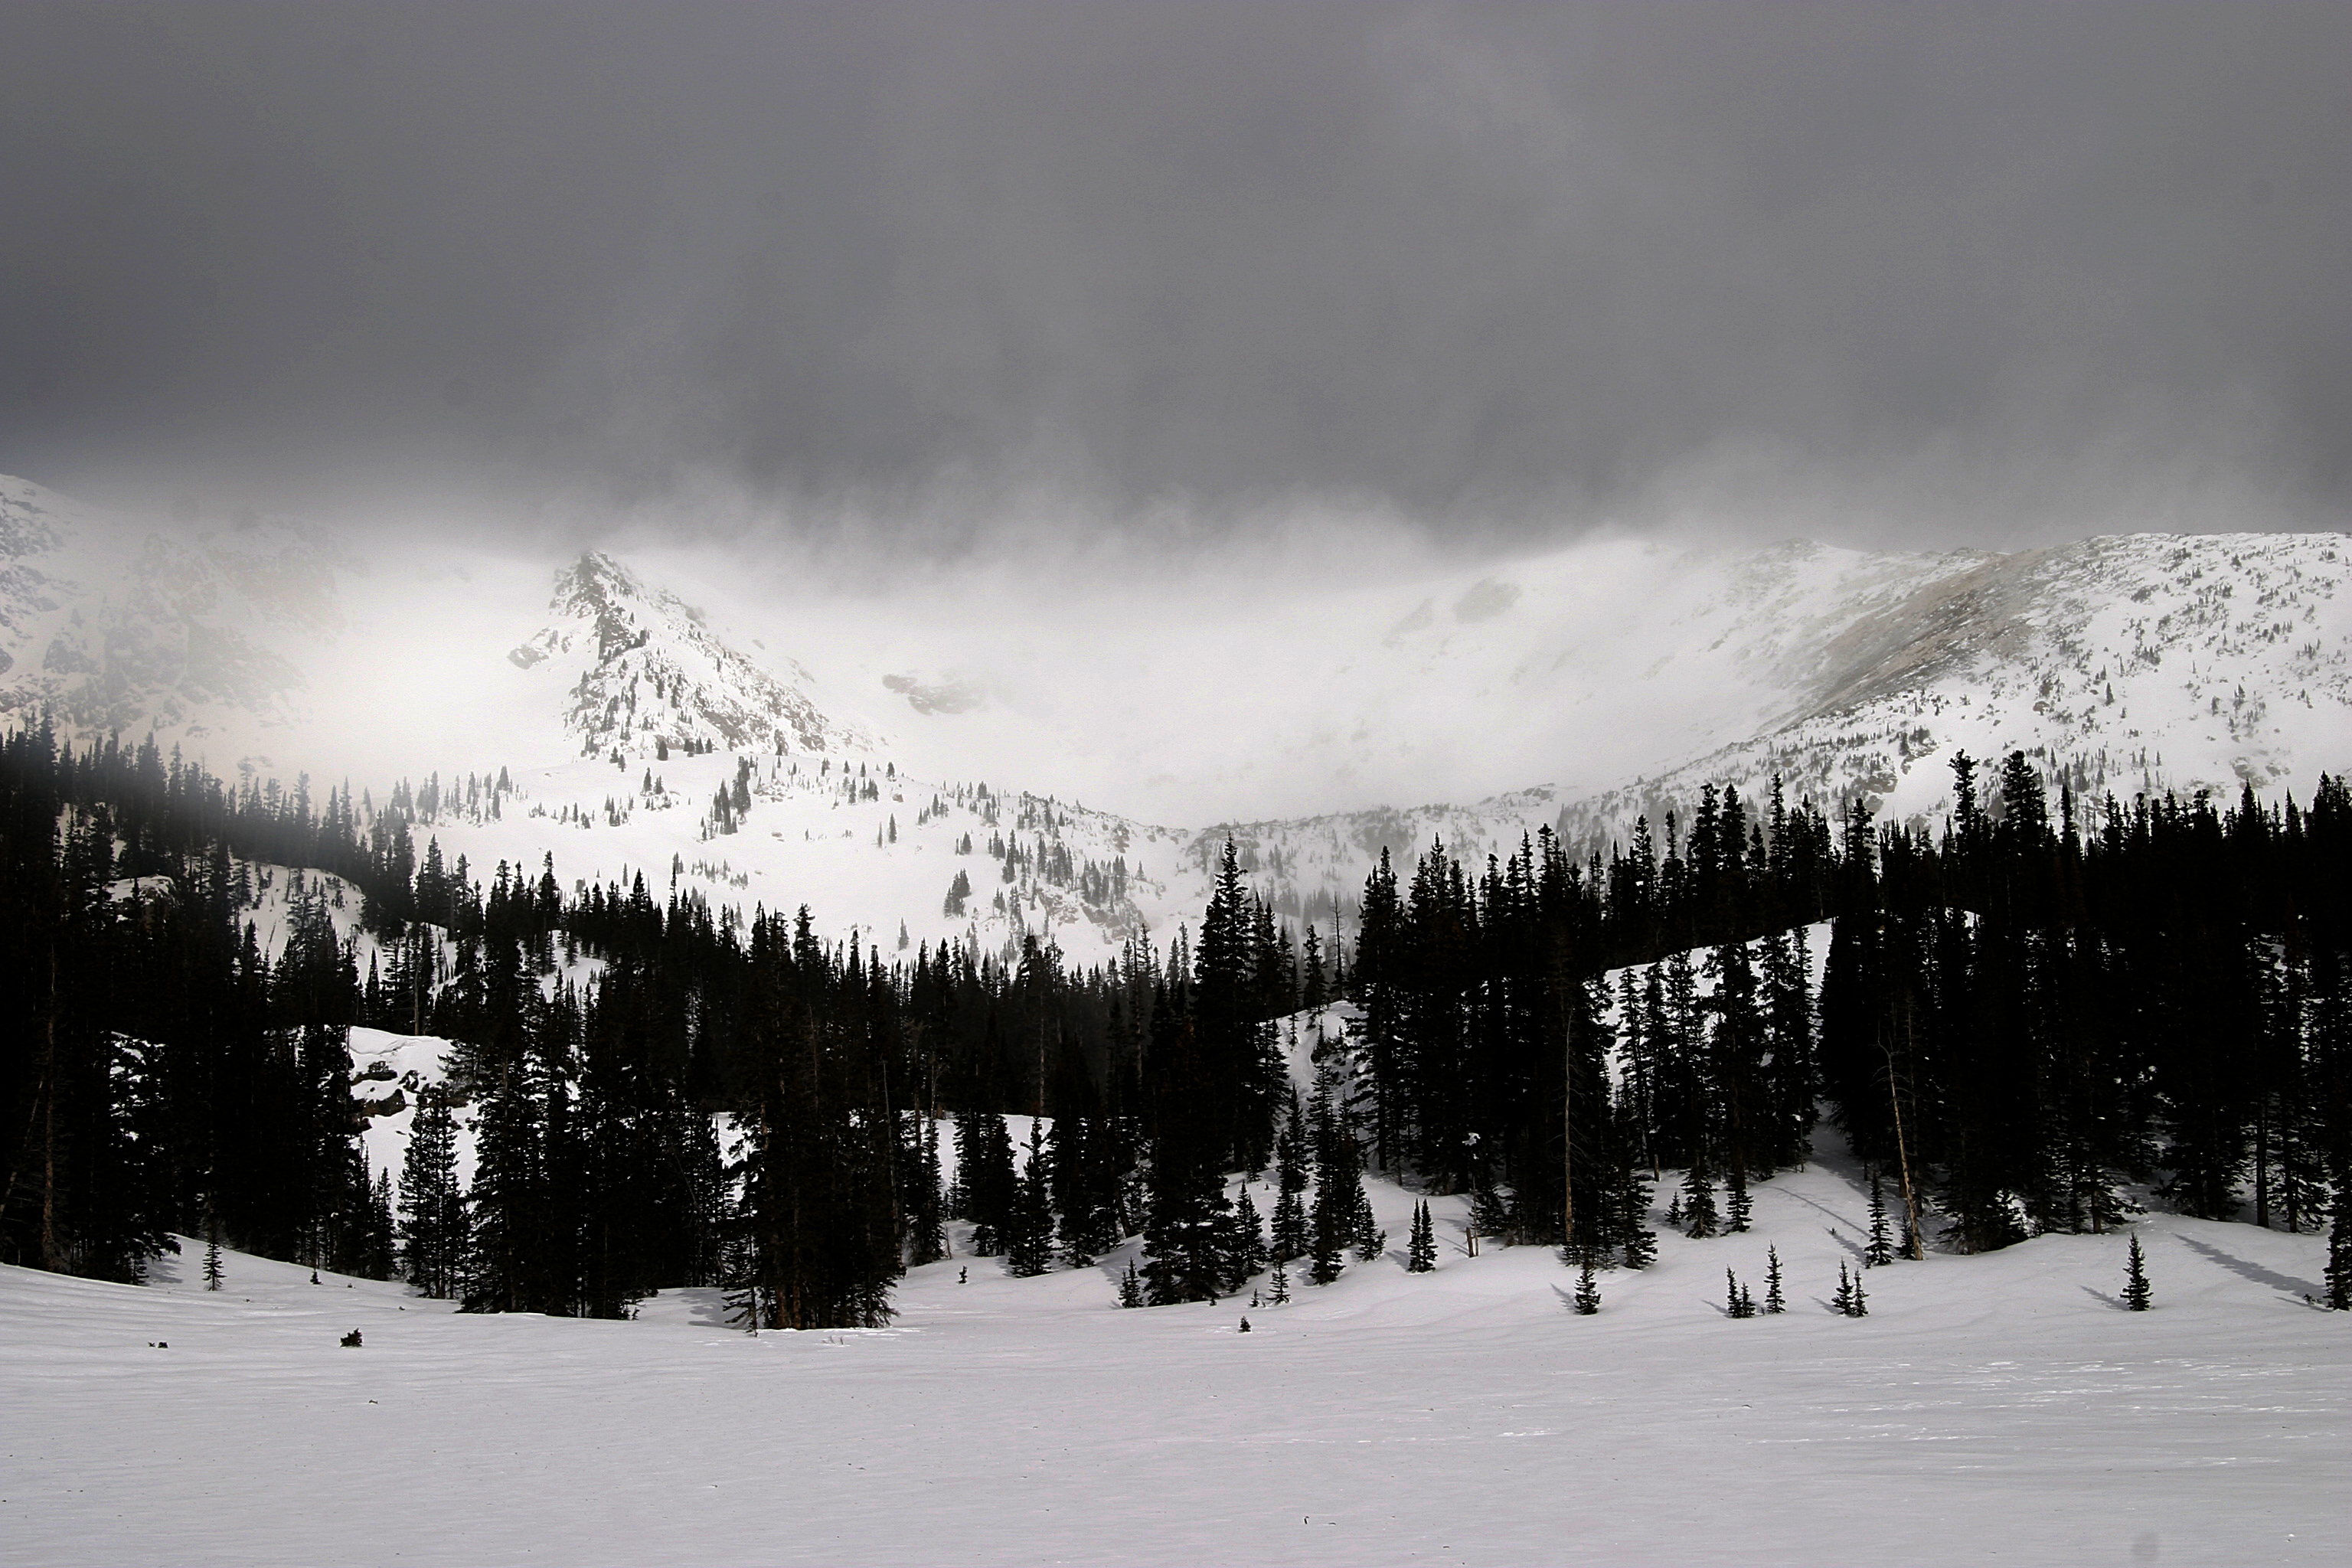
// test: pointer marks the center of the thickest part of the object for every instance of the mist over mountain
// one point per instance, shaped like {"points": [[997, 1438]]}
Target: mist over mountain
{"points": [[1314, 725]]}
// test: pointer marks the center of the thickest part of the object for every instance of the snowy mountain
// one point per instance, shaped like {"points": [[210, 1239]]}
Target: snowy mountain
{"points": [[886, 747], [622, 641], [112, 628], [2143, 662]]}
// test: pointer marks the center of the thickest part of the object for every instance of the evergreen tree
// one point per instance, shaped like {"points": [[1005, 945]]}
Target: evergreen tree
{"points": [[1737, 1303], [1490, 1215], [378, 1253], [927, 1238], [503, 1269], [1628, 1197], [1367, 1239], [1314, 987], [1252, 1229], [1699, 1219], [1291, 1152], [1130, 1287], [1187, 1228], [1881, 1249], [1775, 1301], [1029, 1233], [1278, 1287], [2138, 1297], [1245, 1242], [433, 1235], [1337, 1218], [1587, 1300], [212, 1256], [985, 1151], [2339, 1256], [1289, 1230], [1420, 1245], [1741, 1209], [1327, 1238]]}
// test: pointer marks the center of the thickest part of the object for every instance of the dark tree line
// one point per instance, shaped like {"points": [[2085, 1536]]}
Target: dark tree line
{"points": [[173, 1077], [2049, 1007], [2020, 1015]]}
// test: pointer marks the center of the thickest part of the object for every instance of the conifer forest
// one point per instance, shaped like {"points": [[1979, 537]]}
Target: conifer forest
{"points": [[2021, 1017]]}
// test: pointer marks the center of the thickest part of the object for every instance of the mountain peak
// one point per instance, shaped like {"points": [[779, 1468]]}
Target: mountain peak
{"points": [[648, 672]]}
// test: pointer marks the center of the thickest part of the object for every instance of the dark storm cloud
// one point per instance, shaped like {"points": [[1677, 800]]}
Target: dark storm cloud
{"points": [[1465, 258]]}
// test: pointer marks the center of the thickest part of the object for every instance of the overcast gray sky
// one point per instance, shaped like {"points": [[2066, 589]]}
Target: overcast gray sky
{"points": [[1477, 261]]}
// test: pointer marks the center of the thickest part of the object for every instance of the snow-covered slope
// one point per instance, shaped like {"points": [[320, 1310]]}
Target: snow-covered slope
{"points": [[1998, 1408], [113, 628], [642, 670], [872, 735], [2140, 662]]}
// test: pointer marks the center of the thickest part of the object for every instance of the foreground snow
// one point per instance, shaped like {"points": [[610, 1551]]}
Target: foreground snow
{"points": [[1992, 1409]]}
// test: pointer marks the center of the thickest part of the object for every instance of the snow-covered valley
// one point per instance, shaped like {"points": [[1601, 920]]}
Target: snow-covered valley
{"points": [[1993, 1409]]}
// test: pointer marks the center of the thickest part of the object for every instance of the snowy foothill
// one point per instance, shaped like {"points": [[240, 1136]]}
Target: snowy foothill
{"points": [[1997, 1409]]}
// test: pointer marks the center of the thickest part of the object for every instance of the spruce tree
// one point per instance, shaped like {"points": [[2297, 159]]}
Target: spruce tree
{"points": [[433, 1235], [1740, 1209], [984, 1150], [1490, 1215], [1842, 1302], [1291, 1153], [1130, 1287], [2339, 1255], [1278, 1287], [1187, 1228], [1881, 1249], [1587, 1300], [1858, 1303], [1775, 1301], [503, 1269], [1629, 1218], [2138, 1297], [1338, 1193], [1029, 1232], [1069, 1155], [1699, 1217], [376, 1254], [212, 1255], [927, 1236], [1244, 1251], [1737, 1303], [1290, 1234], [1368, 1239], [1420, 1245], [1327, 1242]]}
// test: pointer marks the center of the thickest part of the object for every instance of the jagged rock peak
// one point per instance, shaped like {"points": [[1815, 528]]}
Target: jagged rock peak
{"points": [[652, 674]]}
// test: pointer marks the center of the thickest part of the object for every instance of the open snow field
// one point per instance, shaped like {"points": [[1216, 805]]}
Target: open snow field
{"points": [[1998, 1409]]}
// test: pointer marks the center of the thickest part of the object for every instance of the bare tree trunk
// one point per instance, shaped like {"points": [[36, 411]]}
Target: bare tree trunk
{"points": [[1566, 1119], [50, 1258], [1903, 1150], [2263, 1164]]}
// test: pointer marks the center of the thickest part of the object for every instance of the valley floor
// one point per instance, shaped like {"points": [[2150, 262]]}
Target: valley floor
{"points": [[1996, 1409]]}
